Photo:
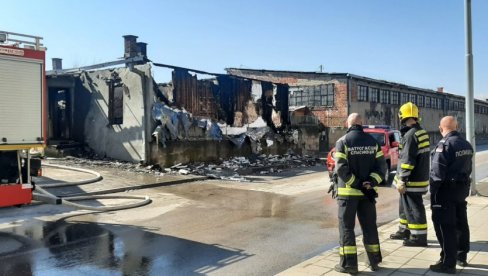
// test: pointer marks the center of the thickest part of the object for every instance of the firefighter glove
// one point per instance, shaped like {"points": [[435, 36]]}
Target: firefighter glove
{"points": [[400, 185], [370, 194], [332, 190]]}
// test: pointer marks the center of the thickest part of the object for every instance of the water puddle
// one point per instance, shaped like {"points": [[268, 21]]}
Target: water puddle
{"points": [[81, 248]]}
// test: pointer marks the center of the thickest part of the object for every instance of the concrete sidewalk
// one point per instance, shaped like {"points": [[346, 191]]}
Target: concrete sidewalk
{"points": [[400, 260]]}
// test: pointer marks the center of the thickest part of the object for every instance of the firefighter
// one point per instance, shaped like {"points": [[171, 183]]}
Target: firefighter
{"points": [[449, 186], [412, 178], [360, 168]]}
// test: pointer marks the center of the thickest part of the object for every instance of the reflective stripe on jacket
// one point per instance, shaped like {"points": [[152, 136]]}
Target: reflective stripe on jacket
{"points": [[358, 159]]}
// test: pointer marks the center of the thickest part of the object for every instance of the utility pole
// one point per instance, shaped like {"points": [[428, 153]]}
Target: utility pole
{"points": [[470, 128]]}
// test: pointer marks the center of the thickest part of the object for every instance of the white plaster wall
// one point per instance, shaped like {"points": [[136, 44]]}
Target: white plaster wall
{"points": [[126, 141]]}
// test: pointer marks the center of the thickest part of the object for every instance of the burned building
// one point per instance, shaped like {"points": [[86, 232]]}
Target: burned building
{"points": [[122, 113], [105, 110], [224, 116], [330, 97]]}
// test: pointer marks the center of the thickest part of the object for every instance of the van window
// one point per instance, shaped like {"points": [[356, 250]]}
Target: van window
{"points": [[397, 136], [380, 138], [391, 137]]}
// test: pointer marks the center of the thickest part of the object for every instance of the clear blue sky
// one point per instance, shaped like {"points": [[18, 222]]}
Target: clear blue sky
{"points": [[416, 42]]}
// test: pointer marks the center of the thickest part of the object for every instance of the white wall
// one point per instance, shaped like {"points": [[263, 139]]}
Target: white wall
{"points": [[126, 141]]}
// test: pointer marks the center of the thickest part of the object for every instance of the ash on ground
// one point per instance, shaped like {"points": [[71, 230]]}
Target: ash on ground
{"points": [[234, 169]]}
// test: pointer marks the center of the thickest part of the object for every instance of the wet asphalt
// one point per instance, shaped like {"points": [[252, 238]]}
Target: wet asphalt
{"points": [[219, 230]]}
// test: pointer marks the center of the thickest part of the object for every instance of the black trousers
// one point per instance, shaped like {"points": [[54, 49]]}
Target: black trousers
{"points": [[452, 230], [413, 219], [366, 213]]}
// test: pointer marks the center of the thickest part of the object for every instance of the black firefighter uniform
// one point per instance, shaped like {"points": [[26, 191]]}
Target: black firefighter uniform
{"points": [[413, 171], [358, 159]]}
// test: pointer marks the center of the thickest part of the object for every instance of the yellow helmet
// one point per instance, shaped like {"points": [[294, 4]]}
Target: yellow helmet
{"points": [[408, 110]]}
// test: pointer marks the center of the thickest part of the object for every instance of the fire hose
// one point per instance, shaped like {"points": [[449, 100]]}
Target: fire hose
{"points": [[42, 193]]}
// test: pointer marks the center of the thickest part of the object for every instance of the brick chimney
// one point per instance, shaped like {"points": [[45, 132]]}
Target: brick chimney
{"points": [[440, 89], [130, 46], [57, 63], [142, 49]]}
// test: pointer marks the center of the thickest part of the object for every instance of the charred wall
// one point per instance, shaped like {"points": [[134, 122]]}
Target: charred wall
{"points": [[282, 102], [318, 128], [234, 94], [229, 99], [209, 151], [196, 96]]}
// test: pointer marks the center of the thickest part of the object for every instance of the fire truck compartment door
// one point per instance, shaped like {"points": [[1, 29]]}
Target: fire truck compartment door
{"points": [[20, 101]]}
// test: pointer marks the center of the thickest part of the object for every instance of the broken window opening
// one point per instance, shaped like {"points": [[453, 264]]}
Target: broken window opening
{"points": [[267, 103], [282, 103], [60, 113], [116, 104]]}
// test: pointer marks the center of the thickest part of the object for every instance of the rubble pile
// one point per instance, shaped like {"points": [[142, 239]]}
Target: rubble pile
{"points": [[232, 169], [94, 162], [175, 124]]}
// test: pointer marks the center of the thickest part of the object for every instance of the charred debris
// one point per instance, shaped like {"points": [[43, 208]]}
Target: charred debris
{"points": [[234, 169], [192, 124], [225, 106]]}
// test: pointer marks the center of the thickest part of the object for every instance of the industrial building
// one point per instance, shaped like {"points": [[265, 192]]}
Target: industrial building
{"points": [[330, 97]]}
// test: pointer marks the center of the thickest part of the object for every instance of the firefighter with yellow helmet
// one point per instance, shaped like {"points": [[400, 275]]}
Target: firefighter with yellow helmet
{"points": [[412, 177]]}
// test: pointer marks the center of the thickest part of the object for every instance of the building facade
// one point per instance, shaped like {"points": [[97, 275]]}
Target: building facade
{"points": [[332, 96]]}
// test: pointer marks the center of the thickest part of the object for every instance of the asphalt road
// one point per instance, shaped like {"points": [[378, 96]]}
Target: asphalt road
{"points": [[211, 227]]}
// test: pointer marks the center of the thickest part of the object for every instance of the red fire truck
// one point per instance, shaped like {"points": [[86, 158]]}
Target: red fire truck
{"points": [[23, 114]]}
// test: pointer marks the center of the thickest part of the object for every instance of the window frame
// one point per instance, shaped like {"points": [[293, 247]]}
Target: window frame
{"points": [[404, 98], [328, 96], [384, 96], [420, 100], [374, 95], [427, 101], [413, 98], [116, 104], [363, 93], [395, 97]]}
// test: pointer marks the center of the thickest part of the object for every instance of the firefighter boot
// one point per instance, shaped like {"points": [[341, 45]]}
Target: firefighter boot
{"points": [[400, 235], [440, 268], [415, 243], [373, 267], [349, 269], [416, 240]]}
